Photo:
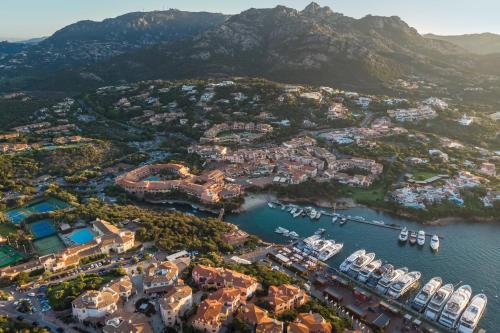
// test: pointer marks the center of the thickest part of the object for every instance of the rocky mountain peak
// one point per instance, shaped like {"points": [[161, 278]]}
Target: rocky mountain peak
{"points": [[313, 9]]}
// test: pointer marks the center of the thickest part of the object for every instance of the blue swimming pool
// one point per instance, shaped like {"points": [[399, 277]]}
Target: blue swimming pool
{"points": [[81, 236]]}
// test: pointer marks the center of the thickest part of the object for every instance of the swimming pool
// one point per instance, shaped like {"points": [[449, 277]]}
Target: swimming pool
{"points": [[81, 236]]}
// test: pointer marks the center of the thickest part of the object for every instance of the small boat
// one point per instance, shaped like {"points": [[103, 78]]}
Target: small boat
{"points": [[280, 230], [293, 210], [413, 237], [366, 272], [455, 307], [360, 263], [283, 207], [378, 222], [320, 231], [343, 220], [404, 284], [270, 205], [435, 242], [346, 264], [318, 215], [298, 213], [293, 234], [425, 294], [472, 314], [312, 214], [403, 235], [438, 301], [389, 277], [334, 219], [289, 208], [421, 238]]}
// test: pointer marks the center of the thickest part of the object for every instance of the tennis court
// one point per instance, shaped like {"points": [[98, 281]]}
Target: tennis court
{"points": [[42, 228], [48, 245], [46, 206], [8, 256]]}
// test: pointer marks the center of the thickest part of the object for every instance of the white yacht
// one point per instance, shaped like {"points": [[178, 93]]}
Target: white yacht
{"points": [[438, 301], [293, 234], [425, 294], [330, 251], [318, 215], [389, 278], [312, 214], [455, 307], [344, 266], [292, 212], [421, 238], [472, 314], [403, 235], [298, 213], [280, 230], [368, 270], [320, 231], [413, 237], [377, 275], [270, 204], [360, 263], [435, 242], [404, 284], [334, 219]]}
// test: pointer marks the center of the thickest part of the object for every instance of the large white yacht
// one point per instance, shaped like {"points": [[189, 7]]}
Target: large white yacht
{"points": [[346, 264], [421, 238], [438, 301], [359, 263], [455, 307], [368, 270], [281, 230], [425, 294], [330, 251], [472, 314], [377, 275], [403, 235], [435, 242], [404, 284], [389, 278]]}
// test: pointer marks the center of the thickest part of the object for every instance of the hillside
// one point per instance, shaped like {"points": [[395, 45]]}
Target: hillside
{"points": [[486, 43]]}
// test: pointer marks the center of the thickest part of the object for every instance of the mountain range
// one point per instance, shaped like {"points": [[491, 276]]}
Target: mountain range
{"points": [[313, 45], [485, 43]]}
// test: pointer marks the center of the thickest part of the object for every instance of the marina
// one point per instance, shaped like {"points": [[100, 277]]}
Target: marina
{"points": [[459, 258]]}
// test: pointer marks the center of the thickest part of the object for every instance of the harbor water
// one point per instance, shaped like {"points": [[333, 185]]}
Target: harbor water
{"points": [[468, 254]]}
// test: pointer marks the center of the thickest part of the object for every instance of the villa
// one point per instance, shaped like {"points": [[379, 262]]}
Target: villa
{"points": [[158, 277], [259, 319], [120, 322], [310, 323], [210, 277], [286, 297], [176, 302]]}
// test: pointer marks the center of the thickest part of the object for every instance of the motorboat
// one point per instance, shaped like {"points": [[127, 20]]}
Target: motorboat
{"points": [[334, 219], [472, 314], [343, 220], [438, 301], [270, 204], [293, 211], [389, 278], [435, 242], [298, 213], [413, 237], [404, 284], [377, 275], [425, 294], [360, 263], [344, 266], [403, 235], [320, 231], [368, 270], [330, 251], [318, 215], [312, 213], [280, 230], [421, 238], [293, 234], [455, 307]]}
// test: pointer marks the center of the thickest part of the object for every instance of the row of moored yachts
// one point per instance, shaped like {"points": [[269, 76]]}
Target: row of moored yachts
{"points": [[296, 211], [452, 308], [418, 238]]}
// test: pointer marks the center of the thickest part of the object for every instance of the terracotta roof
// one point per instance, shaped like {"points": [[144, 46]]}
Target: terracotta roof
{"points": [[209, 312], [174, 296]]}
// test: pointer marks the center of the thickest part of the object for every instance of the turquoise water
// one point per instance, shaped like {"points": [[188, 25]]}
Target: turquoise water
{"points": [[81, 236], [469, 253], [152, 178]]}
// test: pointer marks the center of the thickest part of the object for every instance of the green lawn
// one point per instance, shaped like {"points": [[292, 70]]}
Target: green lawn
{"points": [[423, 175], [7, 229], [372, 195]]}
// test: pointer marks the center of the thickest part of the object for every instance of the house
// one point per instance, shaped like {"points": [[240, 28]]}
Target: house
{"points": [[176, 302], [286, 297], [96, 304], [258, 319], [310, 323], [488, 169], [159, 276], [209, 316], [210, 277], [465, 121], [235, 237]]}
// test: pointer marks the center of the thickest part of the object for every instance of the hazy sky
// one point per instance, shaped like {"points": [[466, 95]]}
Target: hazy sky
{"points": [[33, 18]]}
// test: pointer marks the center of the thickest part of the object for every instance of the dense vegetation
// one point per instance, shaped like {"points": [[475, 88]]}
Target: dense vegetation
{"points": [[10, 325]]}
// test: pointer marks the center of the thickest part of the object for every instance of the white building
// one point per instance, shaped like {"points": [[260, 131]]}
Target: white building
{"points": [[175, 304], [465, 121]]}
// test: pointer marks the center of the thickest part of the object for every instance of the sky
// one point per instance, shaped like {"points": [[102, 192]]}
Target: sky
{"points": [[23, 19]]}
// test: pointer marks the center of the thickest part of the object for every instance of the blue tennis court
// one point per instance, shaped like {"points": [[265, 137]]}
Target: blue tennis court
{"points": [[46, 206], [42, 228]]}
